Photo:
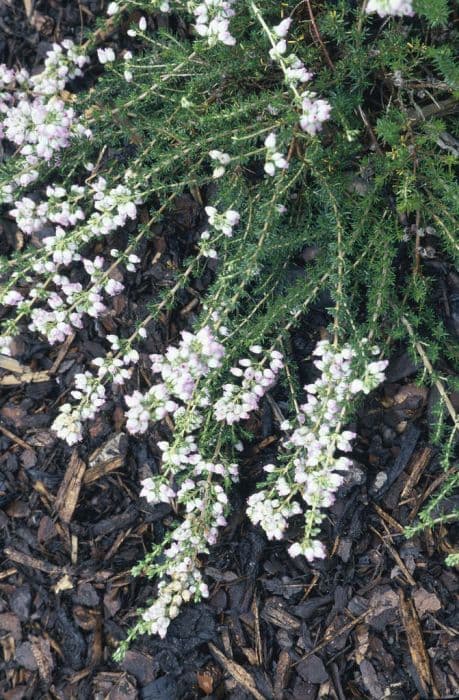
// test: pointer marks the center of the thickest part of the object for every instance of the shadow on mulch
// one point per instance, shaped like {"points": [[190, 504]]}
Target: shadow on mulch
{"points": [[377, 619]]}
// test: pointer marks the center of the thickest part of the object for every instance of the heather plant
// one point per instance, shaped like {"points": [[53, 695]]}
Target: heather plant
{"points": [[294, 129]]}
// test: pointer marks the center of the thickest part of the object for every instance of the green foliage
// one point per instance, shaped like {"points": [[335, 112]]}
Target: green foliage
{"points": [[353, 194], [436, 11]]}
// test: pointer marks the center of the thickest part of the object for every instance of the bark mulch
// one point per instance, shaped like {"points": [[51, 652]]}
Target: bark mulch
{"points": [[377, 619]]}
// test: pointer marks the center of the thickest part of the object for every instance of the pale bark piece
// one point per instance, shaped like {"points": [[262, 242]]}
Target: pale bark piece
{"points": [[240, 675], [419, 463], [20, 374], [417, 647], [425, 602], [115, 446], [69, 490], [41, 650], [33, 562], [283, 671]]}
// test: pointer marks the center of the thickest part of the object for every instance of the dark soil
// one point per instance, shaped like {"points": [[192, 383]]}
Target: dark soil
{"points": [[377, 619]]}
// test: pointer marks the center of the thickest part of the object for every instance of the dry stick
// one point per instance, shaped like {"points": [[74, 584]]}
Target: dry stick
{"points": [[395, 555], [318, 35], [373, 138], [14, 438], [330, 637]]}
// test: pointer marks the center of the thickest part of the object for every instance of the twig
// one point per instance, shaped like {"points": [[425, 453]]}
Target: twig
{"points": [[395, 555], [15, 438], [374, 140], [318, 35], [329, 638]]}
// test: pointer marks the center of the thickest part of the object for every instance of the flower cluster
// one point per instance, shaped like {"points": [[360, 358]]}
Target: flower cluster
{"points": [[311, 466], [212, 20], [390, 8], [271, 514], [186, 478], [114, 206], [60, 208], [313, 112], [143, 408], [221, 161], [180, 368], [56, 305], [205, 503], [35, 118], [63, 62], [274, 159], [106, 55], [185, 584], [239, 400], [40, 127], [222, 223], [91, 395]]}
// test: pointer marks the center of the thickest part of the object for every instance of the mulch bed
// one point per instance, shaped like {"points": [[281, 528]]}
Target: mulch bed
{"points": [[377, 619]]}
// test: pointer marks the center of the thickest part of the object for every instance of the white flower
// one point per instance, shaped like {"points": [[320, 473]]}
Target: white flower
{"points": [[312, 550], [223, 158], [142, 24], [238, 401], [274, 159], [278, 50], [68, 425], [315, 112], [106, 55], [12, 298], [310, 468], [212, 21], [387, 8], [223, 222], [281, 29], [112, 9]]}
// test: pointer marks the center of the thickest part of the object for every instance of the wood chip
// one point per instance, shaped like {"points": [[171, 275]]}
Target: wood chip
{"points": [[64, 584], [62, 353], [258, 642], [409, 441], [388, 519], [240, 675], [395, 555], [277, 616], [205, 682], [14, 438], [41, 651], [69, 490], [20, 374], [28, 7], [33, 562], [282, 674], [102, 469], [416, 646], [362, 643], [417, 465], [425, 602]]}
